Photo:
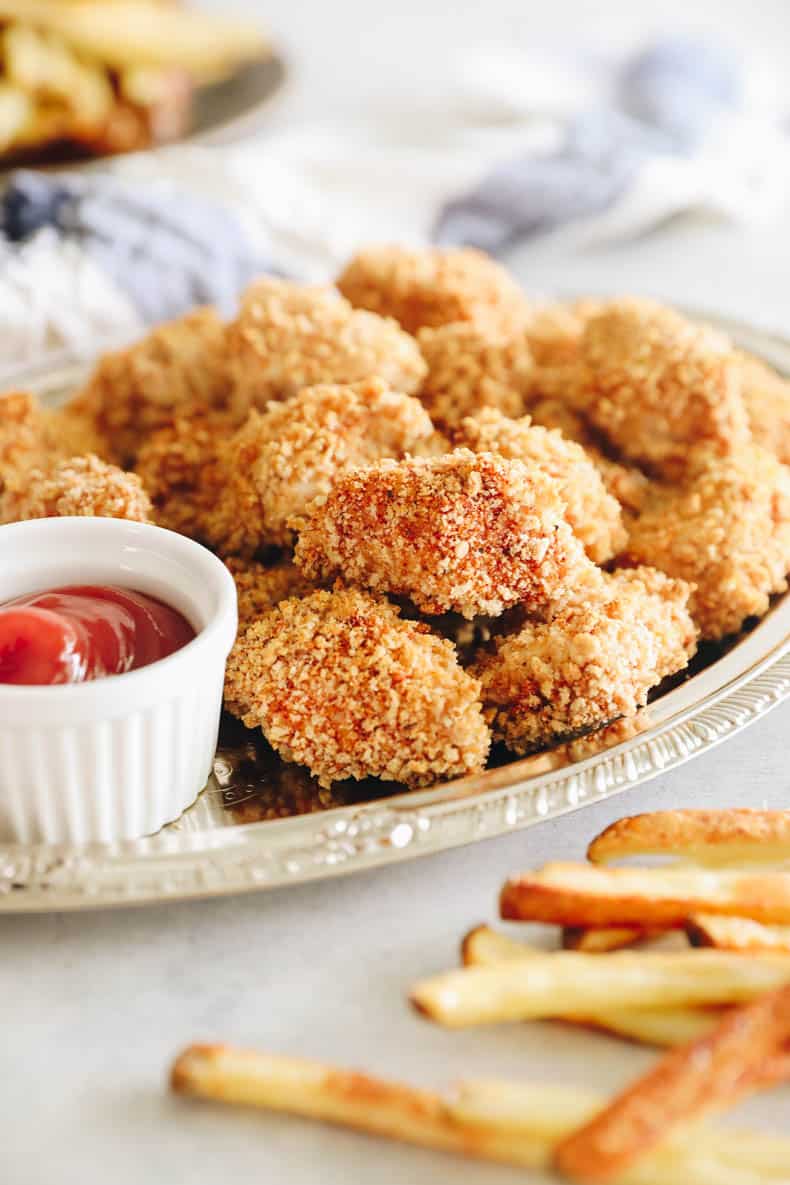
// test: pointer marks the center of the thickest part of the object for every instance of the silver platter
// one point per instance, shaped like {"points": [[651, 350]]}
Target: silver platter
{"points": [[227, 843]]}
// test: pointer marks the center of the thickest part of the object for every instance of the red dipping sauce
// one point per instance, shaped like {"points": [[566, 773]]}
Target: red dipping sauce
{"points": [[71, 635]]}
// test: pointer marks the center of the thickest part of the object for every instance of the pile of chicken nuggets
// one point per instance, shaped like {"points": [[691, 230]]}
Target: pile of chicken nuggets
{"points": [[454, 515]]}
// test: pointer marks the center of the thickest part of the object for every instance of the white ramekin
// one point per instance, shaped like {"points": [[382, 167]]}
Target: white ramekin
{"points": [[114, 758]]}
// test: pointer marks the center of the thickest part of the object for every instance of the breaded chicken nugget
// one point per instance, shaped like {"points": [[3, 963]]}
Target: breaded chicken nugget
{"points": [[767, 398], [432, 286], [656, 386], [288, 336], [593, 513], [134, 391], [554, 331], [281, 459], [181, 470], [77, 486], [468, 533], [22, 435], [628, 484], [727, 531], [259, 588], [340, 683], [471, 367], [594, 661]]}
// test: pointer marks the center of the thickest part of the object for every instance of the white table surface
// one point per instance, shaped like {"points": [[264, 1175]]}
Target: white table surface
{"points": [[97, 1004]]}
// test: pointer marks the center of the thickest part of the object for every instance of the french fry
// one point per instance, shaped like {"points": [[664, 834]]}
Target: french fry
{"points": [[141, 33], [702, 837], [484, 947], [569, 984], [602, 939], [706, 1075], [743, 934], [517, 1124], [591, 895]]}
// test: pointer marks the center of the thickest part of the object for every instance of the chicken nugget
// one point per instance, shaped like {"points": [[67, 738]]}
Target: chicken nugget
{"points": [[657, 386], [727, 531], [593, 513], [767, 398], [434, 286], [78, 486], [471, 367], [288, 336], [338, 682], [282, 458], [464, 532], [594, 661], [133, 392]]}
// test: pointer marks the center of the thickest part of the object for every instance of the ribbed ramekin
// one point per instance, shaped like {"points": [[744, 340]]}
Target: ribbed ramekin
{"points": [[115, 758]]}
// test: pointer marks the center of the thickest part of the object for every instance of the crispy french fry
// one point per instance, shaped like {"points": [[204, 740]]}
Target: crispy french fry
{"points": [[484, 947], [569, 984], [702, 837], [142, 33], [602, 939], [512, 1123], [689, 1082], [590, 895], [736, 933]]}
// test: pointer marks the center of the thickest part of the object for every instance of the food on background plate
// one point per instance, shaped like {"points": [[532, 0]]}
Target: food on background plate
{"points": [[653, 1132], [94, 77], [76, 634], [480, 488]]}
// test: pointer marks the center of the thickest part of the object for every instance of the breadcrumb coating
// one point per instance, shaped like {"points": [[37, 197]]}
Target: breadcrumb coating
{"points": [[22, 435], [134, 391], [434, 286], [554, 331], [288, 336], [727, 531], [657, 386], [281, 459], [593, 662], [593, 513], [83, 486], [626, 483], [464, 532], [470, 367], [180, 468], [767, 398], [259, 588], [340, 683]]}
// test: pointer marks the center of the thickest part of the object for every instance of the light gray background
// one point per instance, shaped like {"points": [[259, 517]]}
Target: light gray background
{"points": [[98, 1004]]}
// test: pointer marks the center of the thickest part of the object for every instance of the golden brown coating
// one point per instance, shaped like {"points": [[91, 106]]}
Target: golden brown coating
{"points": [[593, 513], [767, 398], [77, 486], [626, 483], [22, 435], [181, 470], [463, 532], [554, 331], [259, 588], [288, 336], [340, 683], [656, 386], [471, 367], [434, 286], [134, 391], [281, 459], [727, 531], [594, 661]]}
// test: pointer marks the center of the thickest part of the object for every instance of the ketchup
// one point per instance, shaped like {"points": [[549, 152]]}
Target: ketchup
{"points": [[71, 635]]}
